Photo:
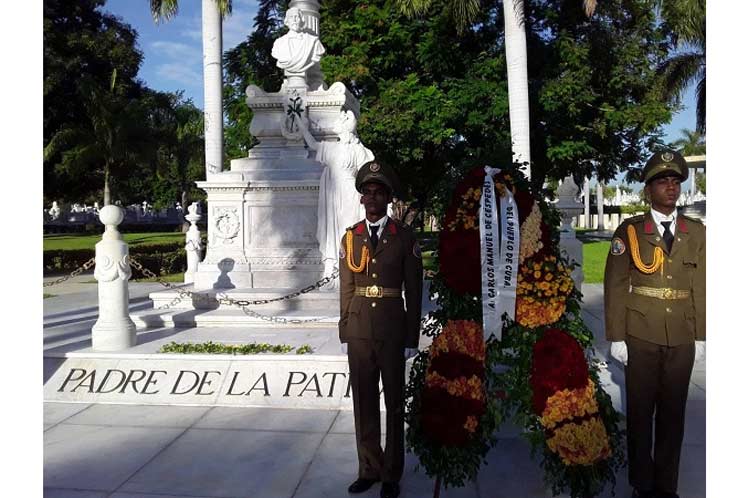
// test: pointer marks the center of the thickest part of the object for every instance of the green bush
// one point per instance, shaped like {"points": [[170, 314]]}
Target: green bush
{"points": [[211, 347], [634, 208], [161, 259]]}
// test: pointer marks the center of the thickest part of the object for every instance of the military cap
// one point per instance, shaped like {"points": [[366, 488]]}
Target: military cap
{"points": [[665, 163], [378, 173]]}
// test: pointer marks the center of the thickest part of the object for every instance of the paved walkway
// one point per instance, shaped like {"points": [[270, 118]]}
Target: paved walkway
{"points": [[128, 451]]}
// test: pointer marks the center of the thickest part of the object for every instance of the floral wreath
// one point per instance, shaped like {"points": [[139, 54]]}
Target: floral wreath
{"points": [[548, 383]]}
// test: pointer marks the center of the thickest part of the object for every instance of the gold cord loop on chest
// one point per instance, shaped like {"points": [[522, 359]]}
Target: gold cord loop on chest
{"points": [[362, 264], [657, 261]]}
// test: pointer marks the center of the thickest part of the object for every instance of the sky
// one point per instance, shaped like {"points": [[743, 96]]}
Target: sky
{"points": [[172, 52]]}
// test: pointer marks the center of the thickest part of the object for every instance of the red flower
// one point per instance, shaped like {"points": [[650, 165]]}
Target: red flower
{"points": [[444, 416], [558, 363], [452, 365]]}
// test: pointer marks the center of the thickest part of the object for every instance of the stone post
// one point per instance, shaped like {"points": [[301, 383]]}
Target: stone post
{"points": [[570, 207], [600, 208], [193, 245], [587, 217], [114, 330]]}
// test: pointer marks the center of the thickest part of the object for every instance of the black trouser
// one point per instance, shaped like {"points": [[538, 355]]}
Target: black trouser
{"points": [[657, 379], [366, 360]]}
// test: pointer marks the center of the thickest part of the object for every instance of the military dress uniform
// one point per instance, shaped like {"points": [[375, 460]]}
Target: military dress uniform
{"points": [[655, 302], [378, 325]]}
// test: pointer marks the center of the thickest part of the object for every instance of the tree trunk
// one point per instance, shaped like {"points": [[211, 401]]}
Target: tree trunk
{"points": [[516, 69], [107, 195], [212, 83], [600, 206]]}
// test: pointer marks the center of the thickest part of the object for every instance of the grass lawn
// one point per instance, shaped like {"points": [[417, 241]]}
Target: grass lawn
{"points": [[76, 241], [594, 254]]}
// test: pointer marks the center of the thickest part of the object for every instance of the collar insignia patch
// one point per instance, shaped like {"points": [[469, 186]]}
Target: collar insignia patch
{"points": [[617, 247]]}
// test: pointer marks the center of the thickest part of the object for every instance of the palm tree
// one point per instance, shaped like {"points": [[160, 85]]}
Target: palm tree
{"points": [[213, 12], [691, 143], [686, 20], [464, 13], [106, 143]]}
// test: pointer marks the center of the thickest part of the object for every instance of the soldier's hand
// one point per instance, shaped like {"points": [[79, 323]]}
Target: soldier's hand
{"points": [[410, 352], [700, 351], [619, 351], [344, 348]]}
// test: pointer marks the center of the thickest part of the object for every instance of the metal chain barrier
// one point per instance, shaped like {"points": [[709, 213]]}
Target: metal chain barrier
{"points": [[85, 266], [241, 303]]}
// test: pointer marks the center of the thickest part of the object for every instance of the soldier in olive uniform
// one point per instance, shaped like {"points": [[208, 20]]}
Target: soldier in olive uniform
{"points": [[655, 285], [379, 258]]}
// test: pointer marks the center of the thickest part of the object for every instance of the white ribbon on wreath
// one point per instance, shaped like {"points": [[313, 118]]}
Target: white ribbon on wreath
{"points": [[499, 244]]}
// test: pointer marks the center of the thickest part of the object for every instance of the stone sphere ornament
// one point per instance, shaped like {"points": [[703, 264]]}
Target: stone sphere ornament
{"points": [[111, 215]]}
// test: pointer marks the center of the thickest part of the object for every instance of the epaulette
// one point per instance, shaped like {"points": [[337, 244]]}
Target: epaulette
{"points": [[639, 218], [692, 219]]}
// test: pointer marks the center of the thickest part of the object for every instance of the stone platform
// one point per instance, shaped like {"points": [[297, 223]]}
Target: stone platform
{"points": [[73, 372], [132, 449], [203, 309], [142, 375]]}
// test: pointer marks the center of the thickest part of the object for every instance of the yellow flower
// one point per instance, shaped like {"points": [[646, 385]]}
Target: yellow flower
{"points": [[471, 424]]}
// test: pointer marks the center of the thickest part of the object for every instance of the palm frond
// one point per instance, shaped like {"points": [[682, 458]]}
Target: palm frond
{"points": [[678, 72], [412, 8], [163, 10], [465, 13], [61, 141], [701, 105], [224, 7]]}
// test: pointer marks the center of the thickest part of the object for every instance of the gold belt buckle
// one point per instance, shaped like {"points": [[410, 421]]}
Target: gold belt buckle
{"points": [[668, 293], [374, 291]]}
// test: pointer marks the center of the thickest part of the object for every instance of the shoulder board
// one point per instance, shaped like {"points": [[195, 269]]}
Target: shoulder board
{"points": [[691, 219], [355, 225], [634, 219]]}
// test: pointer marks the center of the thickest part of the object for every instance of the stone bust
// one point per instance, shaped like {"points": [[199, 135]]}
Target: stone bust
{"points": [[298, 52]]}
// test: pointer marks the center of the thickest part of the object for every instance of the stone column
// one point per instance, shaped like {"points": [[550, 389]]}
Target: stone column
{"points": [[569, 207], [114, 330], [586, 187], [600, 208], [193, 244]]}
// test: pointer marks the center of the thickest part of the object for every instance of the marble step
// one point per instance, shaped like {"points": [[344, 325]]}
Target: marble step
{"points": [[234, 317], [205, 299]]}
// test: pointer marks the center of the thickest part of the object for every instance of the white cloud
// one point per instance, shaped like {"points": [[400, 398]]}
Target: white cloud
{"points": [[177, 50], [238, 26], [193, 28], [184, 74]]}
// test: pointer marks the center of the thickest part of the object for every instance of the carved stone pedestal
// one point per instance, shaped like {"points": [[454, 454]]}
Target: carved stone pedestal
{"points": [[262, 213]]}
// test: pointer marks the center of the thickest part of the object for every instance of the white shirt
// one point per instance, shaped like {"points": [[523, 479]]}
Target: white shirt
{"points": [[658, 218], [379, 224]]}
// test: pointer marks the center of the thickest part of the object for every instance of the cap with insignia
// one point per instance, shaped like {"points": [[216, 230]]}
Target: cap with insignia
{"points": [[665, 163], [377, 173]]}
